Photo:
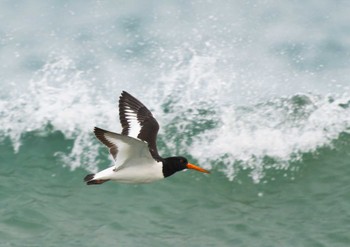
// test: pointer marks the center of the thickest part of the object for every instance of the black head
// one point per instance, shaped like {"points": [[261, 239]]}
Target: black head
{"points": [[178, 163]]}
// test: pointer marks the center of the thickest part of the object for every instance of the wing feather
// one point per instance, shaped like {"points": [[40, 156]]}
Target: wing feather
{"points": [[121, 147], [134, 115]]}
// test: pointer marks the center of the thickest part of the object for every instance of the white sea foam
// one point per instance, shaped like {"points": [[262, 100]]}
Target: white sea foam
{"points": [[221, 135], [281, 129], [58, 95]]}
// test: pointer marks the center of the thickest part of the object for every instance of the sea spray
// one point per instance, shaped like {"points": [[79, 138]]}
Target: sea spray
{"points": [[227, 137]]}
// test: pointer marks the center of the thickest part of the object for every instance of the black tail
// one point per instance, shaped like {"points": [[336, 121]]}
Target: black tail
{"points": [[89, 179]]}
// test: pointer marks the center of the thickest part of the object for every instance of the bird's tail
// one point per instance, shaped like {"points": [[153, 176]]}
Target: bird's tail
{"points": [[89, 179]]}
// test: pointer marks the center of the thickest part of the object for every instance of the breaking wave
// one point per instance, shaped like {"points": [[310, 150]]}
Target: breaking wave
{"points": [[225, 135]]}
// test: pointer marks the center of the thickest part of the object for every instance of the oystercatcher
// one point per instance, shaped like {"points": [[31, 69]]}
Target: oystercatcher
{"points": [[136, 159]]}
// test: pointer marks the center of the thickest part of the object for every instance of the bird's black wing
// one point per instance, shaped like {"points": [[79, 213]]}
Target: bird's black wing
{"points": [[134, 115]]}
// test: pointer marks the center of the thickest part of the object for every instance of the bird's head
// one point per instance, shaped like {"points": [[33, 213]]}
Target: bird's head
{"points": [[178, 163]]}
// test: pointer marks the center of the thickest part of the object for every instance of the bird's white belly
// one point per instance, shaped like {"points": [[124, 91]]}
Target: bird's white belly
{"points": [[132, 173], [139, 174]]}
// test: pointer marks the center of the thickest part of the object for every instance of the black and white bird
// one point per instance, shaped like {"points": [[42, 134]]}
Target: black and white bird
{"points": [[136, 159]]}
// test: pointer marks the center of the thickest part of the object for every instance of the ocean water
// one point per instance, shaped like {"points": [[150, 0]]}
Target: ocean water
{"points": [[258, 92]]}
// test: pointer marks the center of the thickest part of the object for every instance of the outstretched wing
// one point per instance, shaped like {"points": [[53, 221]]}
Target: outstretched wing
{"points": [[124, 147], [134, 116]]}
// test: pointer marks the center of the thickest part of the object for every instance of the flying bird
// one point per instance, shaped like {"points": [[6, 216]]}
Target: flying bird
{"points": [[136, 159]]}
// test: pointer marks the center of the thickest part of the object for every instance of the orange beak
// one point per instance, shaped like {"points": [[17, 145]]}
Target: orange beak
{"points": [[197, 168]]}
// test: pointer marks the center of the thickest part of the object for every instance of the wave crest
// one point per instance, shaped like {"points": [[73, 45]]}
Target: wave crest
{"points": [[257, 137]]}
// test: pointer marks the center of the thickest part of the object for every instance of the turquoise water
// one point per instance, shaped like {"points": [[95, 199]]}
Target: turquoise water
{"points": [[255, 91]]}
